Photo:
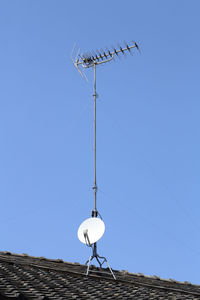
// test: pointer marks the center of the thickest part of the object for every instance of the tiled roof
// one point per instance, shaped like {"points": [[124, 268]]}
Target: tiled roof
{"points": [[26, 277]]}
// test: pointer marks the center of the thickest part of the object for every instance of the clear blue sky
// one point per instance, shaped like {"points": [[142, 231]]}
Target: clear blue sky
{"points": [[148, 145]]}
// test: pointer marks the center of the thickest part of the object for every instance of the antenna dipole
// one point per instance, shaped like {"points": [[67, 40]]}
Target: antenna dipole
{"points": [[86, 61]]}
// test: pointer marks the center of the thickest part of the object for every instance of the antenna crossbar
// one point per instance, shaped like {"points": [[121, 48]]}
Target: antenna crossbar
{"points": [[88, 60]]}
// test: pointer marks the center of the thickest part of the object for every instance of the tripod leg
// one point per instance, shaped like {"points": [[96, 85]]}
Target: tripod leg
{"points": [[111, 271], [100, 264], [88, 267]]}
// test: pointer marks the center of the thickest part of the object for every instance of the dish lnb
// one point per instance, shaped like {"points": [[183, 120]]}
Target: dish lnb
{"points": [[91, 230]]}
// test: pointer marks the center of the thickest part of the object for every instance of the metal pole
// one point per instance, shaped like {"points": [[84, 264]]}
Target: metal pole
{"points": [[94, 213]]}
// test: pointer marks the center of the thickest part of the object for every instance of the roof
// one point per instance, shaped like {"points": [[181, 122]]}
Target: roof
{"points": [[27, 277]]}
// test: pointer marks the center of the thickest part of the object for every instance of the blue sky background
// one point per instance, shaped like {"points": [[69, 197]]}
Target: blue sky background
{"points": [[148, 166]]}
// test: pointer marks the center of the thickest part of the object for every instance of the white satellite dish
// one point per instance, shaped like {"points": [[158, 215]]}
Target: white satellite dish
{"points": [[91, 230]]}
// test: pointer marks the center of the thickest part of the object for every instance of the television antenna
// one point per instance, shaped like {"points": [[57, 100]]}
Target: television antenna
{"points": [[92, 229]]}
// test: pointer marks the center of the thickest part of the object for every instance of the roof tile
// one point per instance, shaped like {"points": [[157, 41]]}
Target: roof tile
{"points": [[26, 277]]}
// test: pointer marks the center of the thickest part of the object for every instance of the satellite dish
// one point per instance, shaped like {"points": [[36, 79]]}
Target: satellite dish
{"points": [[91, 230]]}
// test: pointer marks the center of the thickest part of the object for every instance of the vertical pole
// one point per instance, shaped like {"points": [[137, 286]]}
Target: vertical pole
{"points": [[94, 213]]}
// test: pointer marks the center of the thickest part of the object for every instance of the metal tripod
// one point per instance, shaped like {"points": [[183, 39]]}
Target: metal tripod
{"points": [[98, 259]]}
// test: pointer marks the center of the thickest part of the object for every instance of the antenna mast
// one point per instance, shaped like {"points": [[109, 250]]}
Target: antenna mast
{"points": [[95, 212], [86, 61]]}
